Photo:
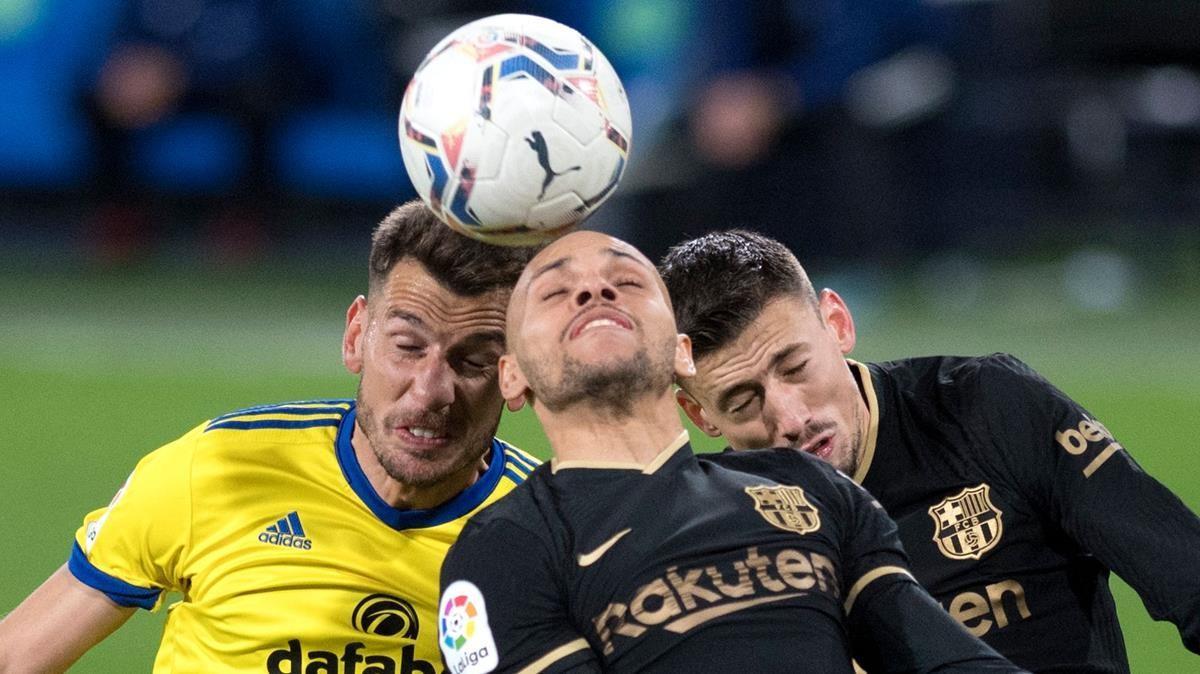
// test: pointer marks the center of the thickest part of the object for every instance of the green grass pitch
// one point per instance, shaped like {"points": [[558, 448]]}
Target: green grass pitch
{"points": [[97, 371]]}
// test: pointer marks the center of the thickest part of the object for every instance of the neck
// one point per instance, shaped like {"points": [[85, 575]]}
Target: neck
{"points": [[408, 496], [587, 433]]}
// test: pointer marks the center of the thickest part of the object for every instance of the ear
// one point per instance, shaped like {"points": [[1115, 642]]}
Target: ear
{"points": [[837, 318], [695, 412], [684, 365], [354, 335], [513, 385]]}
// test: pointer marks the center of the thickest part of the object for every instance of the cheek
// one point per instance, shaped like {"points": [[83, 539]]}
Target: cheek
{"points": [[747, 434], [482, 395], [383, 375]]}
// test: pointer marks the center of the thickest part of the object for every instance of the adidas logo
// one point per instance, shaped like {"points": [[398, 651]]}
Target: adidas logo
{"points": [[287, 532]]}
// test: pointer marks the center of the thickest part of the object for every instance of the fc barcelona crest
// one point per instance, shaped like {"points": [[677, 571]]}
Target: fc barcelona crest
{"points": [[786, 508], [967, 524]]}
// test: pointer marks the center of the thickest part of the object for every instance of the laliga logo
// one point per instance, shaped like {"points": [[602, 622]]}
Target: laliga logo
{"points": [[463, 634], [458, 621]]}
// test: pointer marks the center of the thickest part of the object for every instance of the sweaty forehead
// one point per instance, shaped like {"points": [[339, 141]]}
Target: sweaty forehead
{"points": [[412, 296], [580, 244]]}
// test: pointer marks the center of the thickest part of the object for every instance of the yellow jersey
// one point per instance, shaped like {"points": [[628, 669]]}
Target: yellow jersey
{"points": [[286, 558]]}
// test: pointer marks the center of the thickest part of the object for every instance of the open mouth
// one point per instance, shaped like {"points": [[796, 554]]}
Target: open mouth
{"points": [[422, 436], [820, 446], [595, 320]]}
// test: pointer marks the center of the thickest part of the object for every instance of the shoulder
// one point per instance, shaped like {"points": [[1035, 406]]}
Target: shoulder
{"points": [[287, 424], [761, 461], [522, 509], [951, 370], [780, 464], [298, 415], [954, 380], [516, 529]]}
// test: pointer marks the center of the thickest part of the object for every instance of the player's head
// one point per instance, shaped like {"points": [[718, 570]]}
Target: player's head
{"points": [[425, 342], [770, 367], [590, 324]]}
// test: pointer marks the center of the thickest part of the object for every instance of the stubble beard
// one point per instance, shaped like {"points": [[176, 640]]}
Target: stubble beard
{"points": [[612, 389], [856, 443], [410, 470]]}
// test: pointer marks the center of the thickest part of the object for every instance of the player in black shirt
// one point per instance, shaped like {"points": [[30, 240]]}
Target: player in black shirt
{"points": [[629, 553], [1013, 502]]}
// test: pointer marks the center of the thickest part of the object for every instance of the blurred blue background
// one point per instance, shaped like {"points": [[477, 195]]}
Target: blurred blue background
{"points": [[187, 188], [884, 130]]}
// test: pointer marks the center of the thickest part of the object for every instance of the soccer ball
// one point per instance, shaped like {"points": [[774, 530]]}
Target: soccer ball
{"points": [[514, 129]]}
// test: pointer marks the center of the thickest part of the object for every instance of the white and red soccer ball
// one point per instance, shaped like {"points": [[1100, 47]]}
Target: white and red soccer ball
{"points": [[514, 129]]}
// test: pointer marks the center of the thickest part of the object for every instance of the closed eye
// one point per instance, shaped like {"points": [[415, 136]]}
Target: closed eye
{"points": [[795, 371], [475, 366]]}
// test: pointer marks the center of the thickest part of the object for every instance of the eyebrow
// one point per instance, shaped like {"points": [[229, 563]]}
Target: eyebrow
{"points": [[562, 261], [782, 355], [725, 398], [786, 352], [406, 316], [486, 335]]}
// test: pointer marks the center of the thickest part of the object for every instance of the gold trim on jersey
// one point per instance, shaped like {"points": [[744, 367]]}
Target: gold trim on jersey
{"points": [[868, 578], [863, 375], [555, 655], [649, 468]]}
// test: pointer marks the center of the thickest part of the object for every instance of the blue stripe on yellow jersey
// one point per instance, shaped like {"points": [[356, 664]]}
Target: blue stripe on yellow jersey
{"points": [[517, 468], [522, 459], [263, 520], [239, 425], [286, 415], [334, 405]]}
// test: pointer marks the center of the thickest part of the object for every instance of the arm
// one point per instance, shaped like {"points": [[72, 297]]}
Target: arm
{"points": [[56, 625], [900, 628], [502, 606], [1073, 468]]}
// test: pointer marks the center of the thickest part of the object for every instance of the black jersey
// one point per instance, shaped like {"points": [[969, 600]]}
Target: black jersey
{"points": [[688, 566], [1013, 503]]}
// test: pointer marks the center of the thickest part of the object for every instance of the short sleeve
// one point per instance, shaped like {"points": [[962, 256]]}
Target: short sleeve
{"points": [[502, 608], [132, 550]]}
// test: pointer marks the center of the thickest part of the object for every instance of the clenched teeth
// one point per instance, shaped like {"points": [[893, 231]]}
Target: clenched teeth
{"points": [[599, 322]]}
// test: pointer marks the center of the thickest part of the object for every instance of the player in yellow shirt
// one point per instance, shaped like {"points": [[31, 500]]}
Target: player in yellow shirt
{"points": [[307, 537]]}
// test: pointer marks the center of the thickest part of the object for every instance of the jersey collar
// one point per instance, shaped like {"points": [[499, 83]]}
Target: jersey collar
{"points": [[863, 375], [657, 462], [472, 497]]}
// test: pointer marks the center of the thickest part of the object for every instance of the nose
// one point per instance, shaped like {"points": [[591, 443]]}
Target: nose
{"points": [[432, 384], [593, 287], [787, 416]]}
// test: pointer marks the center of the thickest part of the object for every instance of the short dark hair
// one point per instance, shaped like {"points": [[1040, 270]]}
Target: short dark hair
{"points": [[720, 282], [463, 265]]}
